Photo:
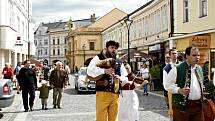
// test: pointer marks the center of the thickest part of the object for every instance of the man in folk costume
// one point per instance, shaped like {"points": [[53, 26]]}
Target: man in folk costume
{"points": [[106, 80], [185, 82], [173, 54]]}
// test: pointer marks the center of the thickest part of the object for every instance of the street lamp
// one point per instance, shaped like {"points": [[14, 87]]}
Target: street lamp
{"points": [[128, 23], [84, 47]]}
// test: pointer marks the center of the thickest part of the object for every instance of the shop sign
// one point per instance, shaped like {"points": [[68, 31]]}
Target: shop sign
{"points": [[18, 41], [201, 41], [155, 47]]}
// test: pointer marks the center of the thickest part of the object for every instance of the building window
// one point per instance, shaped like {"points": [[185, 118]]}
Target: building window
{"points": [[65, 40], [53, 41], [45, 52], [35, 42], [38, 52], [41, 52], [58, 51], [40, 33], [53, 51], [203, 8], [45, 42], [58, 41], [186, 11], [164, 18], [40, 42], [65, 51], [92, 47]]}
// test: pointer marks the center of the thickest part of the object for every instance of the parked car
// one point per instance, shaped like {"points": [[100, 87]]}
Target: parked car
{"points": [[6, 93], [82, 84]]}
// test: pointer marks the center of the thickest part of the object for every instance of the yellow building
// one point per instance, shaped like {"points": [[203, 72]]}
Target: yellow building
{"points": [[86, 42], [195, 25]]}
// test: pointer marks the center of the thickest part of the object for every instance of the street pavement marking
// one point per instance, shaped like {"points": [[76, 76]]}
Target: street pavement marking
{"points": [[63, 114], [21, 116]]}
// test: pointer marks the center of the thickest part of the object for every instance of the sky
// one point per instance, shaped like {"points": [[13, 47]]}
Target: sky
{"points": [[55, 10]]}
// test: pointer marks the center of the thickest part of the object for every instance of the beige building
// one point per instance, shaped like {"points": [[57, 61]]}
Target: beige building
{"points": [[195, 25], [86, 42], [149, 30]]}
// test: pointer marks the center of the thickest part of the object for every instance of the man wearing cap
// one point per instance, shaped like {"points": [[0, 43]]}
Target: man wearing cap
{"points": [[106, 97]]}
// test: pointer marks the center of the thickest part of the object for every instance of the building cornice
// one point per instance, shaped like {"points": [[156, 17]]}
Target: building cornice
{"points": [[192, 34]]}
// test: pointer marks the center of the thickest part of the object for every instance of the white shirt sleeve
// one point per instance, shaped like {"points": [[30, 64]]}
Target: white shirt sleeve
{"points": [[93, 70], [124, 74], [170, 80], [165, 83]]}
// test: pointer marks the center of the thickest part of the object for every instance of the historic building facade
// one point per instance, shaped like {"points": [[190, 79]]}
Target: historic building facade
{"points": [[86, 42], [195, 25], [51, 39], [16, 31], [148, 27]]}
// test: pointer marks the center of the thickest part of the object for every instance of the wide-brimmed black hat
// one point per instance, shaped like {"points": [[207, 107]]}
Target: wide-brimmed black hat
{"points": [[112, 43]]}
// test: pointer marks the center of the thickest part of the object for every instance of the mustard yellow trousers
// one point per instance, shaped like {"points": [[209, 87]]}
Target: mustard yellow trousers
{"points": [[106, 106]]}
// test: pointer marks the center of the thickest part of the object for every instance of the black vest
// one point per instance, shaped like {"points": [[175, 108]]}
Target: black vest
{"points": [[107, 79]]}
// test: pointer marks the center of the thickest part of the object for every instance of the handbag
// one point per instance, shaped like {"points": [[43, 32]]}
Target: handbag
{"points": [[212, 106], [207, 105], [207, 110]]}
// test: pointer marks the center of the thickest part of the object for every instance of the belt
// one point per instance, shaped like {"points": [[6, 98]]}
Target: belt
{"points": [[102, 83], [128, 87], [193, 103]]}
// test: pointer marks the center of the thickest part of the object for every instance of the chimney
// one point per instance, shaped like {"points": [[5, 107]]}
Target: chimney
{"points": [[93, 18]]}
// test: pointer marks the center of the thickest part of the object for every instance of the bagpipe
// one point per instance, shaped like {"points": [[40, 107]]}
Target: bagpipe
{"points": [[106, 64]]}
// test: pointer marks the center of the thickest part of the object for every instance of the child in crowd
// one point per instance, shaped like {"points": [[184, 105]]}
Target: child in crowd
{"points": [[44, 93]]}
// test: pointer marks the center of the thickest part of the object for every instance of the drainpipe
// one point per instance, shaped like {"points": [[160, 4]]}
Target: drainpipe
{"points": [[171, 19]]}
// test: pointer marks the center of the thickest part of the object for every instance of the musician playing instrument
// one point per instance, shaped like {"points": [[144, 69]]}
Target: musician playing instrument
{"points": [[106, 93], [129, 102], [185, 82]]}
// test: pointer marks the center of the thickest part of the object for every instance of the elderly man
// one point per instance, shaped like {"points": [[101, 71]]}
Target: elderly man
{"points": [[57, 80]]}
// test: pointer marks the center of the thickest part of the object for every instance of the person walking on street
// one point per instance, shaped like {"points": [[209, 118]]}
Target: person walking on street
{"points": [[16, 73], [106, 97], [7, 72], [28, 83], [67, 69], [167, 61], [173, 54], [46, 71], [185, 82], [57, 81], [44, 93], [146, 76]]}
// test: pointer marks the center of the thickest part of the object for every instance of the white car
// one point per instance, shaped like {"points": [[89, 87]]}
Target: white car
{"points": [[6, 93], [82, 84]]}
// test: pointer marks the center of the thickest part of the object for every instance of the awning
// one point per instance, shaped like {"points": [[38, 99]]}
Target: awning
{"points": [[36, 62], [136, 56]]}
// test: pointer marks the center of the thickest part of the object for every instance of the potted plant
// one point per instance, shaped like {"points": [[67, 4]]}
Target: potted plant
{"points": [[155, 77]]}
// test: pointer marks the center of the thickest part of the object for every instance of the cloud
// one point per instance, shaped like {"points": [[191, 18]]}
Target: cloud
{"points": [[54, 10]]}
